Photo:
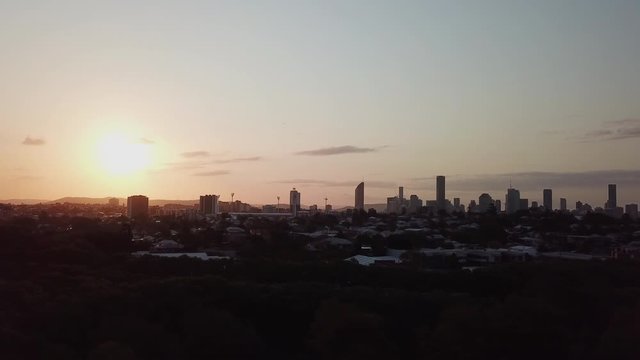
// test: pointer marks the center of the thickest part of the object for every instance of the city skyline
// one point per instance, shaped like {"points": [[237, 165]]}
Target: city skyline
{"points": [[179, 99]]}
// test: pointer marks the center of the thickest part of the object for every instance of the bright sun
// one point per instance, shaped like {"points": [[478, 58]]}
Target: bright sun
{"points": [[120, 156]]}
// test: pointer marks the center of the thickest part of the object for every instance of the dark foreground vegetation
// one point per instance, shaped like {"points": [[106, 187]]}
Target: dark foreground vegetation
{"points": [[80, 296]]}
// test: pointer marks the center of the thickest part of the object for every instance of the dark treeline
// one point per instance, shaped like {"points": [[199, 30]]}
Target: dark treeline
{"points": [[78, 295]]}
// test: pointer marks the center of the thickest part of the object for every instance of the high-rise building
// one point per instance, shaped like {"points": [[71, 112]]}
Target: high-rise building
{"points": [[137, 207], [612, 203], [524, 204], [401, 193], [456, 203], [209, 204], [360, 196], [415, 203], [484, 202], [294, 201], [440, 192], [547, 199], [631, 210], [563, 204], [534, 204], [498, 205], [512, 201], [328, 208]]}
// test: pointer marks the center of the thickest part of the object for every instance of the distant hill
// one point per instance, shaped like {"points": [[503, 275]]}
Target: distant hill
{"points": [[123, 201], [23, 201], [82, 200]]}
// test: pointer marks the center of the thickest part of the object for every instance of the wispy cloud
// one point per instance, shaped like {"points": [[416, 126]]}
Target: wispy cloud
{"points": [[145, 141], [337, 150], [614, 130], [185, 165], [212, 173], [33, 141], [29, 178], [240, 159], [331, 183], [195, 154]]}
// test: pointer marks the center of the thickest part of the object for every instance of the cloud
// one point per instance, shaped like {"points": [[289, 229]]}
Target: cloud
{"points": [[33, 141], [614, 130], [242, 159], [185, 165], [212, 173], [534, 180], [29, 178], [145, 141], [338, 150], [330, 183], [194, 154]]}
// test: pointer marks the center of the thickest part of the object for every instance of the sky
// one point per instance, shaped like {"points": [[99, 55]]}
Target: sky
{"points": [[174, 99]]}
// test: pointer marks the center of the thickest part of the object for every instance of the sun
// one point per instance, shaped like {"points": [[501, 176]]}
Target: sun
{"points": [[120, 155]]}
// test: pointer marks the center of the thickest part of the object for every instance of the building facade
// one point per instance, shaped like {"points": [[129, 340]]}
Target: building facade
{"points": [[137, 207], [209, 204], [440, 192], [359, 197], [547, 199], [294, 201]]}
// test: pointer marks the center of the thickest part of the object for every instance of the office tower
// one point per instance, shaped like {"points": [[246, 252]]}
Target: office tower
{"points": [[209, 204], [498, 205], [512, 201], [401, 193], [524, 204], [114, 202], [137, 207], [393, 205], [360, 196], [328, 208], [631, 210], [472, 206], [456, 203], [294, 201], [415, 203], [440, 192], [547, 199], [534, 204], [563, 204], [612, 203], [484, 202]]}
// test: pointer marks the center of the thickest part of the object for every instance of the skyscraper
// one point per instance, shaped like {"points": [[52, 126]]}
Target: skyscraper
{"points": [[563, 204], [294, 201], [484, 202], [209, 204], [612, 203], [137, 207], [401, 193], [440, 192], [498, 205], [360, 196], [547, 199], [512, 201]]}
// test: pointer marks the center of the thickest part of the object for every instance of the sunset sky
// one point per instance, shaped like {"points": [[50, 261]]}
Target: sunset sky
{"points": [[174, 99]]}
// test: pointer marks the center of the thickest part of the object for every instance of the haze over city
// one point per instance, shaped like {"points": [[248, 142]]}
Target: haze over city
{"points": [[177, 99]]}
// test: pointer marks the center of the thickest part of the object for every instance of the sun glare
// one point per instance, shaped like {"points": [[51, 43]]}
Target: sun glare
{"points": [[120, 156]]}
